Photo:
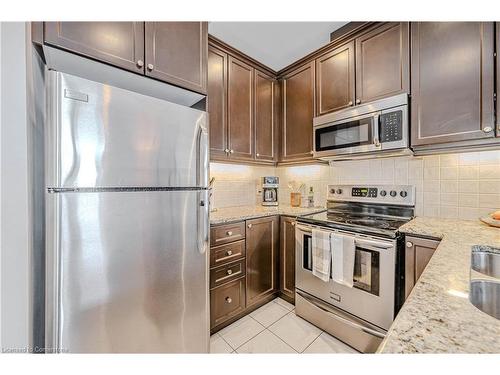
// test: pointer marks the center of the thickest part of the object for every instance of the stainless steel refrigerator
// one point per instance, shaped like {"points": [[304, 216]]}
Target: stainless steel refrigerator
{"points": [[126, 221]]}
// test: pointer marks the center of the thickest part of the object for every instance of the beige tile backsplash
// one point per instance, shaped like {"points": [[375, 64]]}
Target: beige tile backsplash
{"points": [[464, 185]]}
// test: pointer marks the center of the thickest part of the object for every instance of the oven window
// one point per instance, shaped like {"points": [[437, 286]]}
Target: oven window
{"points": [[366, 270], [348, 134], [307, 252]]}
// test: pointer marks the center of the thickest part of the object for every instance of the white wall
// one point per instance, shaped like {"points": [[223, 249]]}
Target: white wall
{"points": [[14, 187]]}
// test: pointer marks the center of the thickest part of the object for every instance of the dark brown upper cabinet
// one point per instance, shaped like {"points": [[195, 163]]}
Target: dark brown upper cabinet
{"points": [[298, 113], [173, 52], [382, 66], [176, 52], [240, 109], [262, 236], [217, 102], [117, 43], [452, 82], [265, 117], [335, 79]]}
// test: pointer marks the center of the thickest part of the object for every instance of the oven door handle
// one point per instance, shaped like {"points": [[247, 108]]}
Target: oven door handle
{"points": [[374, 245], [343, 320]]}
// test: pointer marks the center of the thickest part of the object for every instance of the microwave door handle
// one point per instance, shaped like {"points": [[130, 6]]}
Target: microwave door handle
{"points": [[376, 130]]}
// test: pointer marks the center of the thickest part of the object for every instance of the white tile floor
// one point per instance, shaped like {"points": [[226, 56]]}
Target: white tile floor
{"points": [[274, 328]]}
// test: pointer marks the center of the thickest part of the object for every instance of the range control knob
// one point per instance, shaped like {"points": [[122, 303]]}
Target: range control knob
{"points": [[339, 191], [393, 193], [332, 191], [383, 193], [403, 193]]}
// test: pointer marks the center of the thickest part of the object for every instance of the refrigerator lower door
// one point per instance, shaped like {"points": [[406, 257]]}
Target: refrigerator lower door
{"points": [[126, 272]]}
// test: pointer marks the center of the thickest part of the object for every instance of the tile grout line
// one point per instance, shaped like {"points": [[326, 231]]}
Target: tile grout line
{"points": [[312, 342], [223, 339], [252, 336], [287, 344]]}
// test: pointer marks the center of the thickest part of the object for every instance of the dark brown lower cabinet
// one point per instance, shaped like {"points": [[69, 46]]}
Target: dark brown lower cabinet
{"points": [[227, 301], [418, 253], [262, 258], [287, 258]]}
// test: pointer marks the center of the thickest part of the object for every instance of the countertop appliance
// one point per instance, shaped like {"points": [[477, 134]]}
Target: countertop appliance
{"points": [[127, 222], [378, 128], [270, 185], [361, 315]]}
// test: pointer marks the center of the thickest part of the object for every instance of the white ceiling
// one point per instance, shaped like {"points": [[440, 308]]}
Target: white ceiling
{"points": [[275, 44]]}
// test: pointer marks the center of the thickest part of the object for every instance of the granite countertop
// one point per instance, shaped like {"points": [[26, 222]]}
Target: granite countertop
{"points": [[437, 317], [226, 215]]}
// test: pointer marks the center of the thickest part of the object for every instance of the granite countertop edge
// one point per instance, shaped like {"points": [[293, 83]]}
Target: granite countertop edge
{"points": [[437, 316], [232, 214]]}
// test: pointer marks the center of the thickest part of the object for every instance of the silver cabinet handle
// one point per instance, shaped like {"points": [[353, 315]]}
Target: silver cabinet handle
{"points": [[249, 225], [228, 300], [409, 244], [140, 63], [226, 151], [150, 67], [487, 129], [358, 101], [231, 151], [311, 152], [257, 154], [229, 253], [229, 233], [229, 272], [293, 223], [350, 103]]}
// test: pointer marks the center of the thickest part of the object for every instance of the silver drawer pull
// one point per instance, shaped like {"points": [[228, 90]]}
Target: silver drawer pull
{"points": [[229, 272], [229, 300], [229, 233], [229, 253], [249, 225], [409, 244]]}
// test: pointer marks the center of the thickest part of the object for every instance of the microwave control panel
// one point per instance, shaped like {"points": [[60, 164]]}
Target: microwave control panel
{"points": [[391, 126]]}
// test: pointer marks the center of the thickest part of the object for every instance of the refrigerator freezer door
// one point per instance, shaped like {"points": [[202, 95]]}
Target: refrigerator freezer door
{"points": [[103, 136], [126, 273]]}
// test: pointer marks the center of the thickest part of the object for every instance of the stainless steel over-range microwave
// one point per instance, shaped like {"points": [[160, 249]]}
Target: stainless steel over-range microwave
{"points": [[379, 128]]}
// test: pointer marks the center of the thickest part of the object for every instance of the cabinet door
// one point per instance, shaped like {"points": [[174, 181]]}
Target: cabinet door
{"points": [[418, 253], [265, 128], [226, 302], [298, 113], [452, 82], [176, 52], [262, 258], [382, 66], [498, 76], [335, 79], [117, 43], [287, 258], [240, 110], [217, 103]]}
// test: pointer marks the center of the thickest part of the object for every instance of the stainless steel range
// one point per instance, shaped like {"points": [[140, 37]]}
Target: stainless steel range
{"points": [[370, 215]]}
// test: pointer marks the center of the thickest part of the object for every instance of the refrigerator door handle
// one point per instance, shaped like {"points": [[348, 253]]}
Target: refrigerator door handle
{"points": [[202, 218], [202, 153]]}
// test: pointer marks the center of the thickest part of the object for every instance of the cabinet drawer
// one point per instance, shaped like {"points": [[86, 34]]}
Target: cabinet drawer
{"points": [[229, 272], [227, 301], [227, 253], [222, 234]]}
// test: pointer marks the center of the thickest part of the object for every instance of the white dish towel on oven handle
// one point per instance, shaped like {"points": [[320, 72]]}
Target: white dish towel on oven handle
{"points": [[343, 252], [321, 254]]}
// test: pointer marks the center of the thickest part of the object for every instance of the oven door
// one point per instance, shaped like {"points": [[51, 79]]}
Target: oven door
{"points": [[372, 296], [349, 136]]}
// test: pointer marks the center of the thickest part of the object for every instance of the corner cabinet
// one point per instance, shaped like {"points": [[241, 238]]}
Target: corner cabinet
{"points": [[287, 258], [298, 111], [452, 84], [242, 108], [173, 52], [262, 236]]}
